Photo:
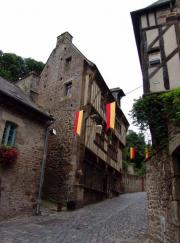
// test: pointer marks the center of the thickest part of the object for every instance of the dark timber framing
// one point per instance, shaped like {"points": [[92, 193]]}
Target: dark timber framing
{"points": [[163, 59], [169, 19]]}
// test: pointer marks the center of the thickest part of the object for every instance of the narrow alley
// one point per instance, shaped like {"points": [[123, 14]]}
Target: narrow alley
{"points": [[120, 220]]}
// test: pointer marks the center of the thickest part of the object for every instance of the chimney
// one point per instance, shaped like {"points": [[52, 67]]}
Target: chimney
{"points": [[64, 38], [118, 94]]}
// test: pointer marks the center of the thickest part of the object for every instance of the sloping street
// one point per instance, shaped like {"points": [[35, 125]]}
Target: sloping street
{"points": [[120, 220]]}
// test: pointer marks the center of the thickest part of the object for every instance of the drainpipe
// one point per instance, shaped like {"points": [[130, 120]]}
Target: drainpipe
{"points": [[38, 212]]}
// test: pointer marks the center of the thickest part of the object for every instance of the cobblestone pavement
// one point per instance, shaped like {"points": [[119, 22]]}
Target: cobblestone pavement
{"points": [[120, 220]]}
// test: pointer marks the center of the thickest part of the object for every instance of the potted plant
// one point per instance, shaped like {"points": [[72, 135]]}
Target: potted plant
{"points": [[8, 155]]}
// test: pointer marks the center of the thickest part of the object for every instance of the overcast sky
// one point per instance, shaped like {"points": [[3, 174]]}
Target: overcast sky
{"points": [[102, 30]]}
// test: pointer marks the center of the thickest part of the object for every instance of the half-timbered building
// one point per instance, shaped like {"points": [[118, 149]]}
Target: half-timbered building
{"points": [[86, 168], [157, 34]]}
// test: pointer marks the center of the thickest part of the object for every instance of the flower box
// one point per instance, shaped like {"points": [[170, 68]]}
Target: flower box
{"points": [[8, 155]]}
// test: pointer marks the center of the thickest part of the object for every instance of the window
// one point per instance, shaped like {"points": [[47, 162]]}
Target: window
{"points": [[118, 126], [9, 134], [103, 103], [154, 63], [112, 148], [68, 89], [154, 57], [100, 140], [68, 63]]}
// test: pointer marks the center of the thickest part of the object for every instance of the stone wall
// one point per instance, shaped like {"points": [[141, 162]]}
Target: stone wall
{"points": [[65, 65], [163, 197], [133, 183], [19, 183]]}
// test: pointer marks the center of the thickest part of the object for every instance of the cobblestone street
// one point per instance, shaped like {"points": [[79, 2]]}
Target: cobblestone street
{"points": [[120, 220]]}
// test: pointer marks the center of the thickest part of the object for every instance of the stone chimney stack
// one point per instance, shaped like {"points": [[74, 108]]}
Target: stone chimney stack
{"points": [[118, 94], [66, 37]]}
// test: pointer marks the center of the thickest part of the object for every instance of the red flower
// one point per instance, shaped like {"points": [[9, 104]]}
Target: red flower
{"points": [[8, 155]]}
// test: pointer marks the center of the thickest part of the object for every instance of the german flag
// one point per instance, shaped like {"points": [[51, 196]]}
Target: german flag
{"points": [[132, 153], [78, 122], [110, 115]]}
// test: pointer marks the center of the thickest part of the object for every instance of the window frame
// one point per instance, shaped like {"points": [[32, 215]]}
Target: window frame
{"points": [[68, 62], [6, 134], [66, 90]]}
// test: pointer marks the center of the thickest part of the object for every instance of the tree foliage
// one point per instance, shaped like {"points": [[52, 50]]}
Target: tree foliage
{"points": [[155, 111], [13, 67], [137, 141]]}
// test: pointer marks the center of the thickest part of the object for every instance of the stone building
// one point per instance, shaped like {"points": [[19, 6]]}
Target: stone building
{"points": [[22, 125], [85, 169], [157, 34]]}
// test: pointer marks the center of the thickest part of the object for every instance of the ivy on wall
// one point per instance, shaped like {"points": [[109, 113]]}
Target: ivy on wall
{"points": [[156, 111]]}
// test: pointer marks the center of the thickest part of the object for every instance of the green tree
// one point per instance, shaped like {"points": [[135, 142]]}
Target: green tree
{"points": [[137, 141], [13, 67], [155, 112]]}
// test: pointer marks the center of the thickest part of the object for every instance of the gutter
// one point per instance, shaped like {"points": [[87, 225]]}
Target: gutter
{"points": [[43, 165]]}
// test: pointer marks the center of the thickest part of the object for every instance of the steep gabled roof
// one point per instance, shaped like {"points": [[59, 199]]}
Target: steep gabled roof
{"points": [[15, 94]]}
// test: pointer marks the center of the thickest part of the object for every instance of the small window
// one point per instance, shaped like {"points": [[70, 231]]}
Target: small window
{"points": [[68, 63], [68, 89], [118, 126], [100, 140], [103, 103], [9, 134], [154, 63]]}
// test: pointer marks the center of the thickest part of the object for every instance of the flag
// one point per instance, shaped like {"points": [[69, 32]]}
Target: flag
{"points": [[78, 122], [147, 153], [110, 115], [132, 153]]}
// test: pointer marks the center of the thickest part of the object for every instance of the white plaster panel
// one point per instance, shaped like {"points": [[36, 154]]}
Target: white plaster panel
{"points": [[151, 35], [170, 42], [143, 21], [157, 82], [152, 19], [174, 71]]}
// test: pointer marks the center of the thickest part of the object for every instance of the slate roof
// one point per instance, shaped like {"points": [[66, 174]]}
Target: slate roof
{"points": [[154, 5], [157, 3], [15, 93]]}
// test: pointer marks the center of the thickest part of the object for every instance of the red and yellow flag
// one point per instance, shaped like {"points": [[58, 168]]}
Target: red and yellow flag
{"points": [[132, 153], [78, 122], [110, 115]]}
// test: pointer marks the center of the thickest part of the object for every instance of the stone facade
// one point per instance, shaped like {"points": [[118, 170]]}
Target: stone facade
{"points": [[133, 183], [162, 184], [84, 169], [158, 42], [19, 183]]}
